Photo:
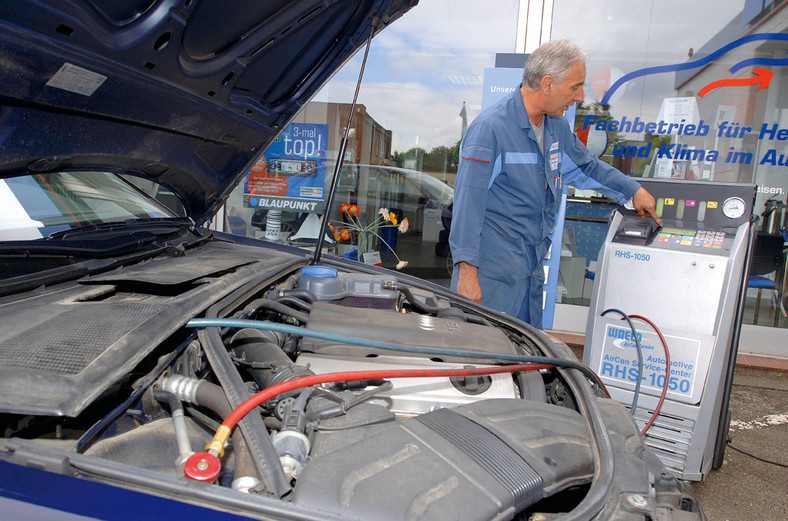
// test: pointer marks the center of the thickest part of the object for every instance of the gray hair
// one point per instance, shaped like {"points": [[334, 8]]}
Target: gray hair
{"points": [[553, 58]]}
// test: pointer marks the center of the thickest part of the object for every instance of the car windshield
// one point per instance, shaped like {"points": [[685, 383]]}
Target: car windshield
{"points": [[35, 206]]}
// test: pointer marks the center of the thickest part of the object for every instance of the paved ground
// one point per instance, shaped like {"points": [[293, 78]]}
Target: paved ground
{"points": [[746, 488]]}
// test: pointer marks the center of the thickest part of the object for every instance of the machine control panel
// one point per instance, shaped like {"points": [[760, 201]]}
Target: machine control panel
{"points": [[698, 217], [637, 231], [702, 204], [698, 240]]}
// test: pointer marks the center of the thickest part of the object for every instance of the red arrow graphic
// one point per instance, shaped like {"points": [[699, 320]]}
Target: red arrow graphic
{"points": [[762, 76]]}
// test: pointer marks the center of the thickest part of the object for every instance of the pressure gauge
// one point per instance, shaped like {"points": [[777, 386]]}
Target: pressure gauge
{"points": [[733, 207]]}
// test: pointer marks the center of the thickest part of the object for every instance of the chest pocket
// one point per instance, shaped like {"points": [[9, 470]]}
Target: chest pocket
{"points": [[515, 162], [521, 158]]}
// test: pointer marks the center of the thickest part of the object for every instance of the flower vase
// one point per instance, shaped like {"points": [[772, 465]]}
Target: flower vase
{"points": [[388, 235], [363, 245]]}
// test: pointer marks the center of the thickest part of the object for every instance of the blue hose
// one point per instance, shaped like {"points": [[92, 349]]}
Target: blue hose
{"points": [[439, 351], [639, 351]]}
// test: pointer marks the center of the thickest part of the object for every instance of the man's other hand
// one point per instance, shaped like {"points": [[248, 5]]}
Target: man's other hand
{"points": [[468, 282]]}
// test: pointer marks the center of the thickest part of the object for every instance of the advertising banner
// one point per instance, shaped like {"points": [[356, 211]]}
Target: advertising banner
{"points": [[291, 174]]}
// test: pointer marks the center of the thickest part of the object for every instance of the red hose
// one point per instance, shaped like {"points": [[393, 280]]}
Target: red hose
{"points": [[266, 394], [667, 373]]}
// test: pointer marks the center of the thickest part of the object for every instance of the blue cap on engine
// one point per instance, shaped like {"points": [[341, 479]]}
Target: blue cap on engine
{"points": [[322, 272]]}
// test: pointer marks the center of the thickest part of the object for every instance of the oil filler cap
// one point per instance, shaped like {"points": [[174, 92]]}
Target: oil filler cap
{"points": [[202, 466]]}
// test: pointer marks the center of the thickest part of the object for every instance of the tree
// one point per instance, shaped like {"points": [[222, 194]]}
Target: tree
{"points": [[439, 159]]}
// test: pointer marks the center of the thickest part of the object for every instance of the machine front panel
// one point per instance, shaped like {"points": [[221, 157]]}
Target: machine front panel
{"points": [[677, 290]]}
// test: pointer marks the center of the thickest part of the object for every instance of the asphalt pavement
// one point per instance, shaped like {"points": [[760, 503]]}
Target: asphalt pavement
{"points": [[753, 480]]}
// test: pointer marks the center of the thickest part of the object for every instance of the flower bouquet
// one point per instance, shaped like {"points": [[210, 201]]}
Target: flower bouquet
{"points": [[353, 224]]}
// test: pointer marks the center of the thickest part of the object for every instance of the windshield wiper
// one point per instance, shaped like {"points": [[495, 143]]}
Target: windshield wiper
{"points": [[98, 246], [155, 226], [100, 240]]}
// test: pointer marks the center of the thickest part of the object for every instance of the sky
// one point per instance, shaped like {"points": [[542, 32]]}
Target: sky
{"points": [[426, 64], [423, 66]]}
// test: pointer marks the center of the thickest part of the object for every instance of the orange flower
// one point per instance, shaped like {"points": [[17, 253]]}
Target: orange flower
{"points": [[353, 210], [344, 234], [343, 208]]}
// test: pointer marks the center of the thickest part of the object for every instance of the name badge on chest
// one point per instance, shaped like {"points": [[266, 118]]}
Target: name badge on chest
{"points": [[555, 164]]}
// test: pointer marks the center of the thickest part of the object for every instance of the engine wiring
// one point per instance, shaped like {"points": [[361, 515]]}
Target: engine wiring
{"points": [[639, 353]]}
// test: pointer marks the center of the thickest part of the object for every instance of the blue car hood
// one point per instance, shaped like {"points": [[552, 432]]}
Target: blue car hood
{"points": [[189, 92]]}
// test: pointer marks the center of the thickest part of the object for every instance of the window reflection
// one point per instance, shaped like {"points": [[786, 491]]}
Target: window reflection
{"points": [[667, 95]]}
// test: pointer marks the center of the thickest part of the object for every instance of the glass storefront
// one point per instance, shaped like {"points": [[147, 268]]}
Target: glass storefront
{"points": [[689, 90], [682, 90]]}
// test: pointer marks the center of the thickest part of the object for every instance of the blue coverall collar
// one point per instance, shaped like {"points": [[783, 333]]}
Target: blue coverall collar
{"points": [[522, 114]]}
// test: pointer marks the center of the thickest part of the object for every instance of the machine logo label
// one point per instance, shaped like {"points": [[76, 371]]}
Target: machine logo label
{"points": [[619, 364]]}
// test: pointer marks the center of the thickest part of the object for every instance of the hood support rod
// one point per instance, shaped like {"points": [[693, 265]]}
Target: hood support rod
{"points": [[341, 158]]}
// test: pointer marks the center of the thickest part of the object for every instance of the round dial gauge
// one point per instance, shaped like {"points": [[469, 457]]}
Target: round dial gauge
{"points": [[734, 207]]}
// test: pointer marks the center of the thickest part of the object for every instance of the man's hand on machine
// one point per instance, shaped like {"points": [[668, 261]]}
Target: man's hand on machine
{"points": [[645, 205], [468, 282]]}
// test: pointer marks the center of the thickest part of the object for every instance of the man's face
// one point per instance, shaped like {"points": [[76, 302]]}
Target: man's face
{"points": [[563, 94]]}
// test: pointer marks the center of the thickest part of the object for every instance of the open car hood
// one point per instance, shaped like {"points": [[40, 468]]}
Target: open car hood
{"points": [[186, 92]]}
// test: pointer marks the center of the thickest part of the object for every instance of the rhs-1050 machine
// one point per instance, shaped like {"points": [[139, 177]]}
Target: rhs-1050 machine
{"points": [[687, 278]]}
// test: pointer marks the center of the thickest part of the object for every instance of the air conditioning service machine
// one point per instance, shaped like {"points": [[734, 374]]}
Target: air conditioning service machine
{"points": [[688, 279]]}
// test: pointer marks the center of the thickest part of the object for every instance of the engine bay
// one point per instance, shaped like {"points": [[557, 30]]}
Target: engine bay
{"points": [[382, 400]]}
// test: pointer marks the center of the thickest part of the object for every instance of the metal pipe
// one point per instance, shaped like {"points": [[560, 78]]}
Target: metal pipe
{"points": [[178, 424]]}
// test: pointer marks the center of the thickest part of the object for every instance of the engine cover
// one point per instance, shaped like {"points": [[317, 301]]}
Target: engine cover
{"points": [[411, 396], [399, 328], [481, 461]]}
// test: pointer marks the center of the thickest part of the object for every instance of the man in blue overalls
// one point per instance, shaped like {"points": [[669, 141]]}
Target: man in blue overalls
{"points": [[509, 182]]}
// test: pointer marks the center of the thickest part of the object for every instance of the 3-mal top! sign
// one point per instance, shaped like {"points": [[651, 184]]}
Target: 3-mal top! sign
{"points": [[291, 173]]}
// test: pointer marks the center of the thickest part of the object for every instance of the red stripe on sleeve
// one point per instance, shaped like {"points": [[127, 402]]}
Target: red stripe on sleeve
{"points": [[475, 159]]}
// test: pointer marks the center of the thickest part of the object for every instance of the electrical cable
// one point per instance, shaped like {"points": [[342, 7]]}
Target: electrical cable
{"points": [[403, 348], [667, 373], [770, 462], [223, 433], [344, 404], [639, 352]]}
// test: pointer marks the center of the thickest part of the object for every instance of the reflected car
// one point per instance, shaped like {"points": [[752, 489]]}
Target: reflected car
{"points": [[405, 191], [153, 368]]}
